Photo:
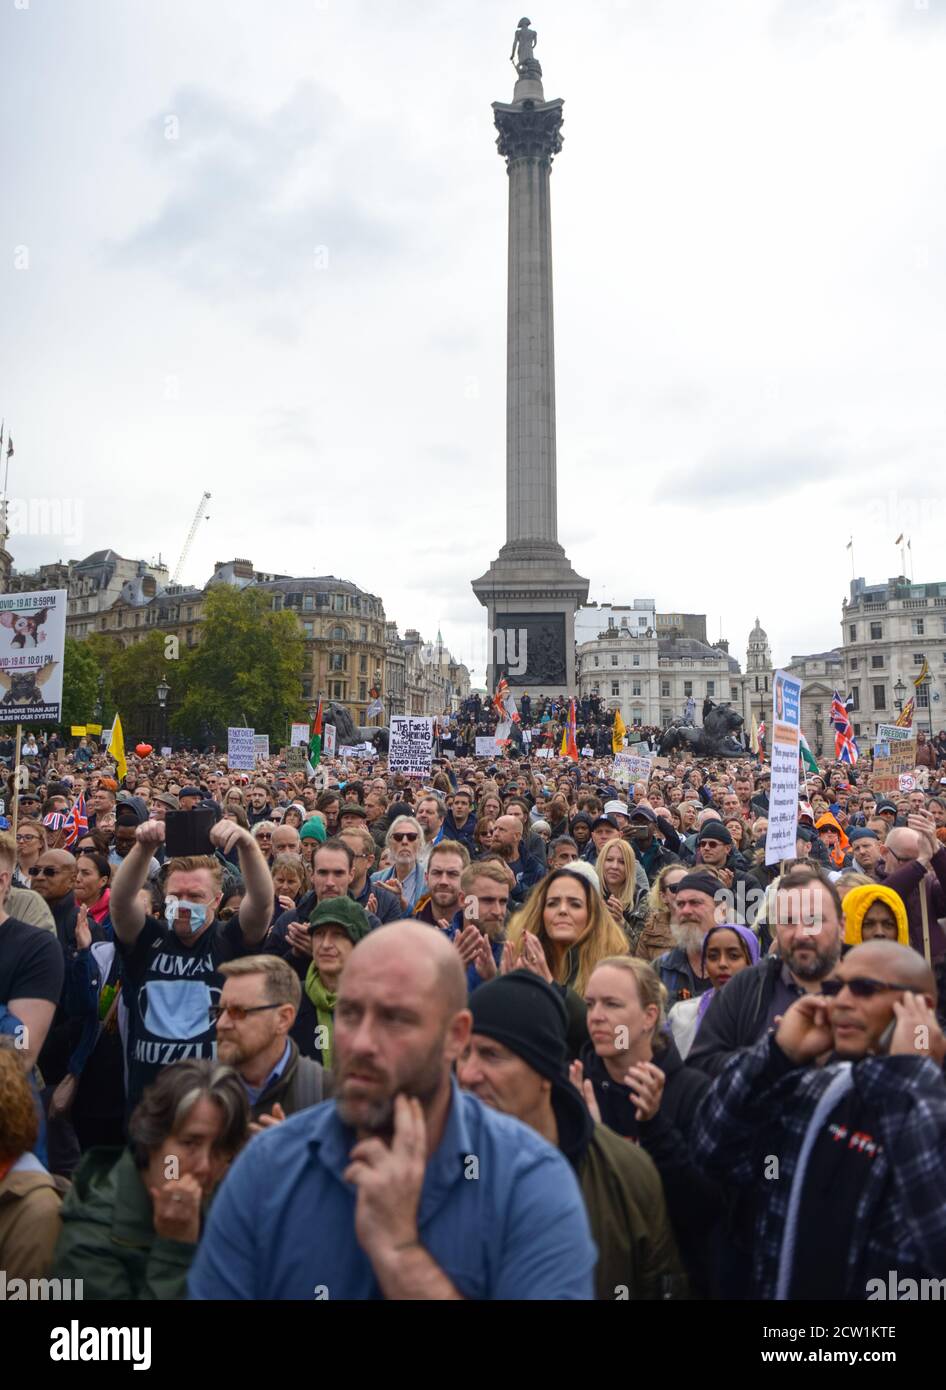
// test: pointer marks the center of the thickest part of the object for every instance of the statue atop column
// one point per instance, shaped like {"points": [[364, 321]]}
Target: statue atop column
{"points": [[523, 49]]}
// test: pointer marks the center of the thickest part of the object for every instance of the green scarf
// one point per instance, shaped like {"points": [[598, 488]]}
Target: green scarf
{"points": [[324, 1010]]}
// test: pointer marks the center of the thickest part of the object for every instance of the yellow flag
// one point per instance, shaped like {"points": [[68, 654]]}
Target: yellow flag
{"points": [[754, 735], [116, 748], [924, 674], [617, 732]]}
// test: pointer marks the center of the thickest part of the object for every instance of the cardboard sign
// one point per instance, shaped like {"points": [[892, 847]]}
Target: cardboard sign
{"points": [[261, 745], [298, 733], [411, 747], [487, 748], [887, 771], [241, 749], [296, 759]]}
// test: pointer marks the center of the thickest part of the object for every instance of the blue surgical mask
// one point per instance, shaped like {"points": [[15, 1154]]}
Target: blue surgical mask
{"points": [[175, 907]]}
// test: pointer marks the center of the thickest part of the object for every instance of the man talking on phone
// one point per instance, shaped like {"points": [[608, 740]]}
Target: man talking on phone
{"points": [[836, 1122], [170, 967]]}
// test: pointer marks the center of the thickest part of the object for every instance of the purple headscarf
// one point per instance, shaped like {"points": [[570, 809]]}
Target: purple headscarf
{"points": [[751, 945]]}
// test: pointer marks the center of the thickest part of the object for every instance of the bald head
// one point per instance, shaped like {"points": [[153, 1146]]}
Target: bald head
{"points": [[903, 842], [429, 959], [54, 874], [894, 964]]}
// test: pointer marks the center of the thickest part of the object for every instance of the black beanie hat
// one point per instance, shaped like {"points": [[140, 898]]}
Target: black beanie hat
{"points": [[700, 883], [526, 1015]]}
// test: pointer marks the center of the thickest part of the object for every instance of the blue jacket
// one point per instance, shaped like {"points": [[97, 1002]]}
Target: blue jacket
{"points": [[520, 1230], [463, 834]]}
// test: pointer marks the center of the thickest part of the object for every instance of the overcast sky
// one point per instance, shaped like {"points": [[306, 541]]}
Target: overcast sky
{"points": [[261, 249]]}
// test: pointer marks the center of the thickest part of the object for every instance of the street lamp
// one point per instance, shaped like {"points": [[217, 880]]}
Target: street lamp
{"points": [[163, 692], [899, 690]]}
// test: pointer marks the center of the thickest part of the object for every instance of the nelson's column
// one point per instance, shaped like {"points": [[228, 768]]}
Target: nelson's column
{"points": [[530, 588]]}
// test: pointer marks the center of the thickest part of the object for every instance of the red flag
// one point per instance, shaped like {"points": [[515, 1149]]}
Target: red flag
{"points": [[571, 744]]}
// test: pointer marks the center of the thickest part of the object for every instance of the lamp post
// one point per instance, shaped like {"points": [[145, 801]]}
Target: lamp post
{"points": [[899, 690], [163, 692]]}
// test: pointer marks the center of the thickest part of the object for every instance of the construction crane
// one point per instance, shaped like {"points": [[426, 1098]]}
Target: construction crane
{"points": [[190, 536]]}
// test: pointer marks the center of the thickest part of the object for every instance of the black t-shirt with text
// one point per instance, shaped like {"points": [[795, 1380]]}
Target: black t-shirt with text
{"points": [[169, 988], [31, 962]]}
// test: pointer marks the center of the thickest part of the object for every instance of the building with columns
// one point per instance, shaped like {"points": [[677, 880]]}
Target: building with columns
{"points": [[887, 631], [650, 678]]}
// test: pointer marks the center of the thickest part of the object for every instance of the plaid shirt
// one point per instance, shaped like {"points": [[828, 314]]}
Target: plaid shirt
{"points": [[759, 1107]]}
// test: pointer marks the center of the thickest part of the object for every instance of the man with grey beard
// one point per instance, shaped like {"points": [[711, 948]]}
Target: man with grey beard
{"points": [[696, 908], [375, 1194], [808, 929]]}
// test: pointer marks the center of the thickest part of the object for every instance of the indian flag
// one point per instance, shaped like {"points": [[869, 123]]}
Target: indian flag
{"points": [[807, 757]]}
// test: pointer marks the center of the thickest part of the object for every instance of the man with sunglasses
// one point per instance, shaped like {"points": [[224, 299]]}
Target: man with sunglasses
{"points": [[847, 1096]]}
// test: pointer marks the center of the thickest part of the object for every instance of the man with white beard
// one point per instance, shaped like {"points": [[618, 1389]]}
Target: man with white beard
{"points": [[701, 902]]}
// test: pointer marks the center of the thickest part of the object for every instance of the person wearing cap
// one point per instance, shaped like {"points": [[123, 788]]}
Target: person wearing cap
{"points": [[190, 798], [702, 902], [640, 833], [352, 813], [161, 803], [312, 833], [716, 849], [387, 1166], [516, 1063], [888, 813], [604, 829], [866, 852]]}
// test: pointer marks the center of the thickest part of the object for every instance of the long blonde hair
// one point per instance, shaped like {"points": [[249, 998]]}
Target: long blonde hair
{"points": [[628, 894], [572, 965]]}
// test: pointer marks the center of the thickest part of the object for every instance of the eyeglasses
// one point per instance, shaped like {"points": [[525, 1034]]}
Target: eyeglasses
{"points": [[237, 1011], [672, 888], [46, 870], [25, 839], [265, 835], [863, 988], [899, 857], [407, 835]]}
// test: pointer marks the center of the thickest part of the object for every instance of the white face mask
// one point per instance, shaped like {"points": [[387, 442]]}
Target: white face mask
{"points": [[191, 913]]}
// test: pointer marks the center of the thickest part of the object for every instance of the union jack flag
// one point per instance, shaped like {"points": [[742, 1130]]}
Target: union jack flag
{"points": [[845, 744], [76, 823]]}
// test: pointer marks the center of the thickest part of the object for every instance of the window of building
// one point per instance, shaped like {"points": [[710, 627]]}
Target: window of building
{"points": [[308, 629], [923, 695], [277, 601], [307, 689], [336, 661], [665, 690], [339, 603], [853, 663], [338, 690], [855, 696], [363, 665], [597, 663], [918, 658], [853, 632], [711, 688], [765, 681], [614, 660], [339, 634], [877, 661], [916, 627], [688, 688], [635, 687], [615, 688], [635, 659], [308, 601], [363, 632], [665, 716], [189, 614], [876, 631], [734, 692], [137, 620], [857, 730], [880, 697], [323, 600], [362, 690]]}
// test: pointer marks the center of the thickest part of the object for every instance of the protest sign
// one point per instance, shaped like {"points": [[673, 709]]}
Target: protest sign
{"points": [[543, 753], [241, 750], [888, 770], [487, 748], [261, 745], [166, 752], [328, 740], [32, 642], [907, 782], [299, 733], [629, 768], [783, 794], [893, 733], [411, 744], [296, 759]]}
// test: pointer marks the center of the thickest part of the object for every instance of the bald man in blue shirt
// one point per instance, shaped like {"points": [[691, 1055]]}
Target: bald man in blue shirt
{"points": [[402, 1187]]}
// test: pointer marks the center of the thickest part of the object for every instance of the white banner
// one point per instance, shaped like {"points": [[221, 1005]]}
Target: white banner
{"points": [[299, 733], [629, 768], [411, 744], [785, 743], [32, 643], [261, 745], [894, 733], [241, 749], [487, 748]]}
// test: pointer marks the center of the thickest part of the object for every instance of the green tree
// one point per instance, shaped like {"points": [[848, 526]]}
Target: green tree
{"points": [[248, 665], [134, 673], [80, 684]]}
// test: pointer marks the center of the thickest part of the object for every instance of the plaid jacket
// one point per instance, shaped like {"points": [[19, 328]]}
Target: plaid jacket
{"points": [[758, 1108]]}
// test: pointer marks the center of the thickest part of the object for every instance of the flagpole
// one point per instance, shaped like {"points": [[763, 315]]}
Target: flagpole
{"points": [[16, 778]]}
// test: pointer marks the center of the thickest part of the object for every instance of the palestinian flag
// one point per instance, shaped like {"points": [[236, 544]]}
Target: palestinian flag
{"points": [[315, 742], [807, 757]]}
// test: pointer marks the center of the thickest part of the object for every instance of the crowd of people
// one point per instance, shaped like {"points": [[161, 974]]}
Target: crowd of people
{"points": [[511, 1030]]}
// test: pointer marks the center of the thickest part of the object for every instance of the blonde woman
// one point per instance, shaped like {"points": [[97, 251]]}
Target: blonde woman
{"points": [[564, 930], [624, 897], [656, 936]]}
